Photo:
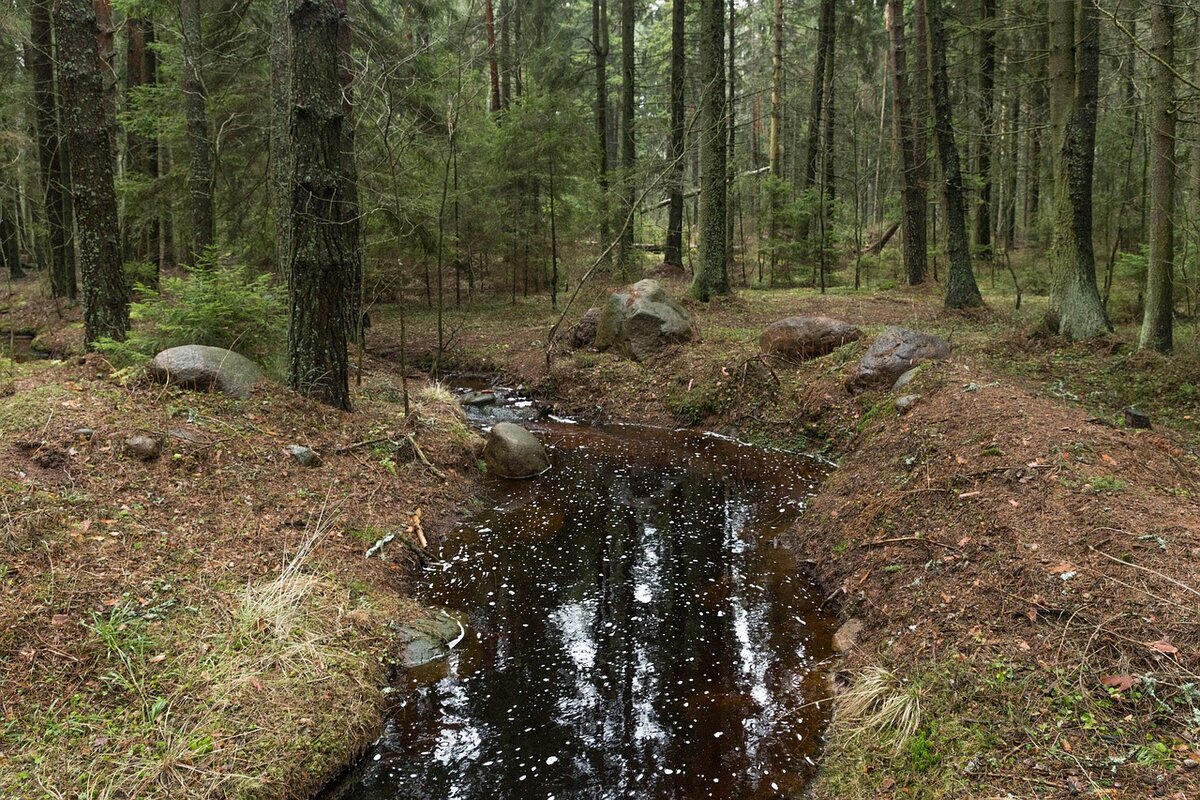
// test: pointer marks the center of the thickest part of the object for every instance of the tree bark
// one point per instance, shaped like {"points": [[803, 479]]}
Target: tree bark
{"points": [[1075, 307], [987, 103], [961, 289], [195, 109], [913, 205], [324, 252], [817, 101], [712, 276], [600, 51], [89, 140], [673, 252], [774, 146], [489, 20], [1157, 323], [51, 155], [625, 253]]}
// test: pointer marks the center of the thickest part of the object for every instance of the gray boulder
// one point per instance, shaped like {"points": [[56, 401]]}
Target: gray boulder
{"points": [[510, 451], [197, 366], [641, 319], [894, 352], [584, 332], [143, 448], [304, 456], [429, 637], [801, 338]]}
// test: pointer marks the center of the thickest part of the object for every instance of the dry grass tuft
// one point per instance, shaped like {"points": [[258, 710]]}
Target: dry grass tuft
{"points": [[880, 704]]}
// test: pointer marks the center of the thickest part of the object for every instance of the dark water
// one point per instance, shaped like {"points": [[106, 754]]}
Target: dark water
{"points": [[633, 632], [19, 347]]}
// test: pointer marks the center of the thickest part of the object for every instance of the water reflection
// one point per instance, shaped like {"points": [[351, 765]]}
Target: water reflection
{"points": [[633, 633]]}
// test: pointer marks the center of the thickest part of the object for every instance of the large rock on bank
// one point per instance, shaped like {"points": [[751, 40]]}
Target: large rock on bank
{"points": [[801, 338], [641, 319], [584, 332], [894, 352], [211, 369], [510, 451]]}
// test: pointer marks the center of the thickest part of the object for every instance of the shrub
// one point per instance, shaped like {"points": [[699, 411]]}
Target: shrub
{"points": [[214, 303]]}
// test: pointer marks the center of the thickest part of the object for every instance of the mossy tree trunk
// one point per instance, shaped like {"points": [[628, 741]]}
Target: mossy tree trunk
{"points": [[712, 276], [1157, 323], [89, 141], [961, 289], [673, 252], [913, 205], [324, 261], [1076, 310], [199, 145], [51, 154]]}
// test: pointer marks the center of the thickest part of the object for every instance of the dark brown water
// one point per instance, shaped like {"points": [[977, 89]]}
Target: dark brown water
{"points": [[633, 632], [19, 347]]}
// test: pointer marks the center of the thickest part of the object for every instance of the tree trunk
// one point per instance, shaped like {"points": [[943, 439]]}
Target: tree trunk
{"points": [[817, 102], [489, 20], [51, 155], [987, 103], [922, 114], [625, 254], [1075, 307], [505, 53], [10, 248], [712, 276], [281, 150], [774, 165], [324, 251], [89, 140], [961, 289], [195, 110], [673, 252], [731, 130], [600, 51], [913, 206], [1157, 320]]}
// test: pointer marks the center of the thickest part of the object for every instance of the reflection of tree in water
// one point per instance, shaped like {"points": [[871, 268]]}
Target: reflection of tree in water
{"points": [[640, 640]]}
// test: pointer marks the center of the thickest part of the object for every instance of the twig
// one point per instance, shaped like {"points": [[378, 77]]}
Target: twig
{"points": [[899, 539], [1167, 578]]}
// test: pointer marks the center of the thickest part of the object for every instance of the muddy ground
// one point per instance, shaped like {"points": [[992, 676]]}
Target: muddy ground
{"points": [[1026, 569]]}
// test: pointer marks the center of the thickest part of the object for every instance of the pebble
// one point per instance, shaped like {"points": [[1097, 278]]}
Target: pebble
{"points": [[304, 456]]}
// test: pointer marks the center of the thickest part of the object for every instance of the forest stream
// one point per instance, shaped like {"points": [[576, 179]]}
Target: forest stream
{"points": [[633, 629]]}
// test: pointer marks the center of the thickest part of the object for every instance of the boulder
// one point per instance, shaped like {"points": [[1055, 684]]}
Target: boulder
{"points": [[846, 638], [584, 332], [429, 637], [905, 403], [641, 319], [894, 352], [802, 338], [143, 448], [510, 451], [197, 366]]}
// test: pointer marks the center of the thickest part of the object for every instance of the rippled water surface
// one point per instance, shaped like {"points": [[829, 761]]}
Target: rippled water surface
{"points": [[633, 632]]}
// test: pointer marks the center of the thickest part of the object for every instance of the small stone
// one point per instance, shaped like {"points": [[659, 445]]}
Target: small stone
{"points": [[846, 637], [479, 398], [1190, 763], [144, 448], [304, 456], [906, 379], [83, 433], [905, 403], [1136, 418]]}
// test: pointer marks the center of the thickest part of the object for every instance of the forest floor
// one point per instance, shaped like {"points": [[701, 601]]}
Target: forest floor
{"points": [[1026, 569]]}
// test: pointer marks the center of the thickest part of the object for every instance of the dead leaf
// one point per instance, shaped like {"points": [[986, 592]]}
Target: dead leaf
{"points": [[1061, 568], [158, 658], [256, 684], [1107, 459], [59, 619], [1163, 646], [1122, 683]]}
